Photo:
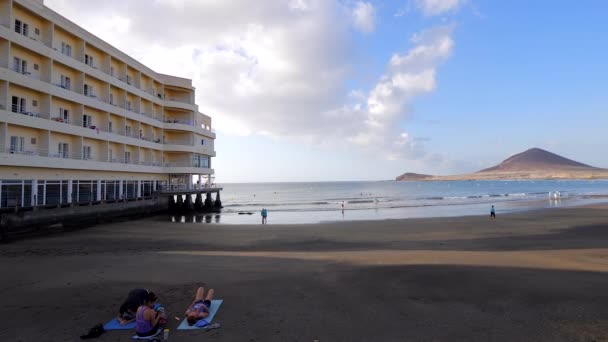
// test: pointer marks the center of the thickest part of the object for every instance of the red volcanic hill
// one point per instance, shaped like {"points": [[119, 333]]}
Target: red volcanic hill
{"points": [[534, 163], [536, 159]]}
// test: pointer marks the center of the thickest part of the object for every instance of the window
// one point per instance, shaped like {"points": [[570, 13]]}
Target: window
{"points": [[66, 82], [64, 150], [88, 91], [201, 161], [64, 115], [66, 49], [33, 141], [111, 71], [110, 126], [128, 131], [87, 120], [128, 79], [22, 28], [88, 60], [20, 65], [17, 144], [129, 105], [127, 157], [111, 154], [34, 103], [86, 152], [36, 67], [18, 104], [203, 142], [36, 31], [111, 98]]}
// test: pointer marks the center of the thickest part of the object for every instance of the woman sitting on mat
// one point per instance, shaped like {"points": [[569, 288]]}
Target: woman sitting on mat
{"points": [[147, 318], [199, 308]]}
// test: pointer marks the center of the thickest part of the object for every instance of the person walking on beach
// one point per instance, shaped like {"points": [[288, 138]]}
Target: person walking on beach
{"points": [[492, 213], [264, 215]]}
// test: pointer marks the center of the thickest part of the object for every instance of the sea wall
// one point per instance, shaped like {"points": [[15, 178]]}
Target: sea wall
{"points": [[43, 220]]}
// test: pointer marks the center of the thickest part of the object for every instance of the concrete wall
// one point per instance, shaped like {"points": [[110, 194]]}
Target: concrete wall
{"points": [[12, 224]]}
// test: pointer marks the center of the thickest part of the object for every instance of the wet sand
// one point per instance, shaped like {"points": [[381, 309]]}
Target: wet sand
{"points": [[531, 276]]}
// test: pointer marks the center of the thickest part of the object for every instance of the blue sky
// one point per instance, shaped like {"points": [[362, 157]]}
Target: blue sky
{"points": [[303, 90]]}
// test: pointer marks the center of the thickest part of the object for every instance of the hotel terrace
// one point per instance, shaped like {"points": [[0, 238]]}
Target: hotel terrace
{"points": [[82, 122]]}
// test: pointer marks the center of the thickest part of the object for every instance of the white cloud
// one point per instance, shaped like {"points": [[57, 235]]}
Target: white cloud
{"points": [[277, 69], [364, 16], [437, 7]]}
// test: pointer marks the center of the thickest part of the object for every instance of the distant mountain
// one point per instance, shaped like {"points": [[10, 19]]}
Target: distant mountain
{"points": [[409, 176], [534, 163], [536, 159]]}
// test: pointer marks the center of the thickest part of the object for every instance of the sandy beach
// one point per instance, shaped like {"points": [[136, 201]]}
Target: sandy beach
{"points": [[529, 276]]}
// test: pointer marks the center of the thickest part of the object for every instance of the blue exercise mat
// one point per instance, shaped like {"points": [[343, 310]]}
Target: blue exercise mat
{"points": [[215, 306], [114, 324]]}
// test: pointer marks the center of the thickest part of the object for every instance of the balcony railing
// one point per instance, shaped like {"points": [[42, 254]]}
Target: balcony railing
{"points": [[71, 87], [185, 142], [103, 128], [178, 99], [128, 81], [187, 187], [19, 150]]}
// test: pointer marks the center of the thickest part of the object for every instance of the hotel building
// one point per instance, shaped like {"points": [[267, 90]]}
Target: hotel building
{"points": [[82, 122]]}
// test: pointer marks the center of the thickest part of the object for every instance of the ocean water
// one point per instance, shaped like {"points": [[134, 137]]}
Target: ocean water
{"points": [[297, 203]]}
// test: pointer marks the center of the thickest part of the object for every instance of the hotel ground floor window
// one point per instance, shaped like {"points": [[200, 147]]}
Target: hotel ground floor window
{"points": [[15, 193]]}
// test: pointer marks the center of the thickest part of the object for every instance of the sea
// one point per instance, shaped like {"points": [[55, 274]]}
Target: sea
{"points": [[315, 202]]}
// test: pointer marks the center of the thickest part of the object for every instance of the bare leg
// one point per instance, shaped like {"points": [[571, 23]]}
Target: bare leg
{"points": [[210, 294], [200, 294]]}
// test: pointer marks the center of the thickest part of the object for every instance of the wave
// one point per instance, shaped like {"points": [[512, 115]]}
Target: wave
{"points": [[360, 201]]}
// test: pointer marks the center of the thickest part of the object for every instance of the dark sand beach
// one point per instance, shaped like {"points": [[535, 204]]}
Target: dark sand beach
{"points": [[529, 276]]}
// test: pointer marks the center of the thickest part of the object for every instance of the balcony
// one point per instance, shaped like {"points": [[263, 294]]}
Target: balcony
{"points": [[17, 156]]}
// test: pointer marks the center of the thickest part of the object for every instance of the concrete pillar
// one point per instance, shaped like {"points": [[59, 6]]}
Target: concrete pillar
{"points": [[180, 203], [198, 203], [153, 186], [69, 191], [188, 203], [34, 199], [22, 200], [218, 201], [98, 190], [208, 201], [172, 205], [120, 189], [139, 189]]}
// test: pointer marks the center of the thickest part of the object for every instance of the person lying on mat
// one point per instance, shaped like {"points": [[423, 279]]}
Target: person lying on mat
{"points": [[147, 318], [135, 298], [199, 309]]}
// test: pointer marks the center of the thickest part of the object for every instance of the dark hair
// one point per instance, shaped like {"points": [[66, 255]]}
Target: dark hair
{"points": [[151, 297], [191, 320]]}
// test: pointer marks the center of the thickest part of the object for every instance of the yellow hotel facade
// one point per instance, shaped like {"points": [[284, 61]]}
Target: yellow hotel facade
{"points": [[81, 121]]}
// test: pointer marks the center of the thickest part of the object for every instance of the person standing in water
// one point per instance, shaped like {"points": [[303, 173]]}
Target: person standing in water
{"points": [[264, 215], [492, 213]]}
